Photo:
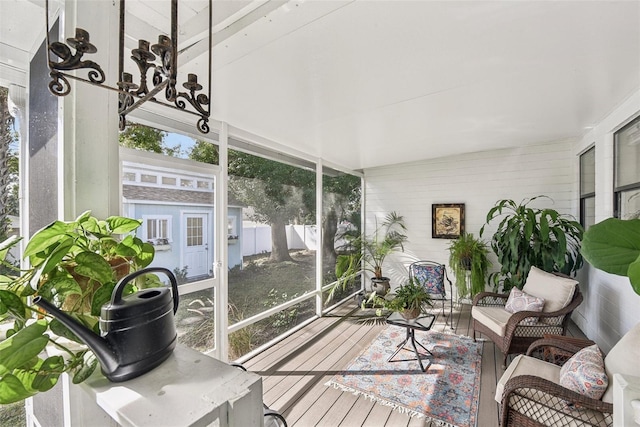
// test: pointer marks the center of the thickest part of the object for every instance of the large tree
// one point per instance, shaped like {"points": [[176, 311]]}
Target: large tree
{"points": [[341, 202], [277, 194], [145, 138], [280, 194]]}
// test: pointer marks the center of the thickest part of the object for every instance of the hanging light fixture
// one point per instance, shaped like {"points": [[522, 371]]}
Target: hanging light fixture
{"points": [[161, 59]]}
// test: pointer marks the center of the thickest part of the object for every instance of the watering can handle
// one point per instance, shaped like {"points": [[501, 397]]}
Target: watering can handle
{"points": [[116, 296]]}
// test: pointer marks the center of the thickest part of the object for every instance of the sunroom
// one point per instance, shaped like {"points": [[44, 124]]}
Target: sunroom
{"points": [[299, 120]]}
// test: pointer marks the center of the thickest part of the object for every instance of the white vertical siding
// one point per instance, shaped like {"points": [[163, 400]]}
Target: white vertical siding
{"points": [[611, 307], [476, 179]]}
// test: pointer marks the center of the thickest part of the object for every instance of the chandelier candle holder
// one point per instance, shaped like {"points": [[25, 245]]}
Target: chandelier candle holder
{"points": [[161, 58]]}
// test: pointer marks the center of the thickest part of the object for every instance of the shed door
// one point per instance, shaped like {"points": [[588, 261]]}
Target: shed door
{"points": [[196, 249]]}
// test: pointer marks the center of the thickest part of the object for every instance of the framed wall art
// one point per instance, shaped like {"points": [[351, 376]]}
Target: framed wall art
{"points": [[447, 220]]}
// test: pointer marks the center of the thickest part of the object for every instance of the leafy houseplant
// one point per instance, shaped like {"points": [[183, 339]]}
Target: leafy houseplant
{"points": [[409, 299], [466, 253], [613, 245], [369, 252], [75, 265], [532, 237]]}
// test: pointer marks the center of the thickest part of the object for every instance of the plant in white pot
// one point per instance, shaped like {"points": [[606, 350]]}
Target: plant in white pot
{"points": [[370, 252]]}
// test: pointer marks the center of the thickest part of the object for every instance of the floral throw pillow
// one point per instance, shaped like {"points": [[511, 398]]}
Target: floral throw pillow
{"points": [[431, 277], [522, 301], [584, 373]]}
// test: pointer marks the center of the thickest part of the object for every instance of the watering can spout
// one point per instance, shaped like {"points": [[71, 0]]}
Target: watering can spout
{"points": [[98, 345]]}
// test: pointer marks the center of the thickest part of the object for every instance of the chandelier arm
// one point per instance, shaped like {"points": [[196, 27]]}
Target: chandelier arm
{"points": [[164, 74], [146, 98]]}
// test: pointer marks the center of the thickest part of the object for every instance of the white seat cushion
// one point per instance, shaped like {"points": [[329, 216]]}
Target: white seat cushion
{"points": [[525, 365], [556, 291], [623, 359], [495, 318]]}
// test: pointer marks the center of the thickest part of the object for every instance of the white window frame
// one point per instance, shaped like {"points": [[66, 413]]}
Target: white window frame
{"points": [[232, 226], [145, 230]]}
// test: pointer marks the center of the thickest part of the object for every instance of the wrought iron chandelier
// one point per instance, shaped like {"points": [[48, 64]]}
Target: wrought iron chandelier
{"points": [[133, 94]]}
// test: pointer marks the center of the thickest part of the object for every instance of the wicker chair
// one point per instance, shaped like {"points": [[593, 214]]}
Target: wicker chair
{"points": [[531, 396], [511, 332], [530, 393]]}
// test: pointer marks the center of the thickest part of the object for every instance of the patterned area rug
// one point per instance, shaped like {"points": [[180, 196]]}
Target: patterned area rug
{"points": [[446, 393]]}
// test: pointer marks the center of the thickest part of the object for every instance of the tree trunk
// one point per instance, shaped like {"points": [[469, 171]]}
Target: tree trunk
{"points": [[279, 247], [330, 226]]}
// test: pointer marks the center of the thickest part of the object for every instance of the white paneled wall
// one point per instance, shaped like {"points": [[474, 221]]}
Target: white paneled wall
{"points": [[611, 307], [478, 180]]}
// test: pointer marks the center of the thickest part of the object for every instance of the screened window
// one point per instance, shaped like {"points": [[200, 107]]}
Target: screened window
{"points": [[627, 173], [279, 243], [588, 187], [341, 204], [171, 187]]}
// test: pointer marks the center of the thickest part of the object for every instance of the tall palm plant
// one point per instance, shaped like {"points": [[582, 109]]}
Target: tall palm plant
{"points": [[369, 252]]}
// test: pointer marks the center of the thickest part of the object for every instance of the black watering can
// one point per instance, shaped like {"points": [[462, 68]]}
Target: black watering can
{"points": [[137, 331]]}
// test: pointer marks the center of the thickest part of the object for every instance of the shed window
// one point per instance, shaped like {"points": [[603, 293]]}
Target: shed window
{"points": [[158, 229]]}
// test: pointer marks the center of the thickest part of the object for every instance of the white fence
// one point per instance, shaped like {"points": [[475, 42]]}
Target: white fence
{"points": [[256, 238]]}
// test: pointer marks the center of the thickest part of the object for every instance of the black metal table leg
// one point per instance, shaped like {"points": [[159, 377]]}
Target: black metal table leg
{"points": [[410, 337]]}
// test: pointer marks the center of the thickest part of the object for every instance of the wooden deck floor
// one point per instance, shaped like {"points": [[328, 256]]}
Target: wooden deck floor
{"points": [[295, 370]]}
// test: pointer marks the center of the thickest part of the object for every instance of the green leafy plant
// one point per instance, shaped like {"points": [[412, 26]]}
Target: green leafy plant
{"points": [[469, 254], [370, 252], [532, 237], [613, 245], [75, 265], [411, 296]]}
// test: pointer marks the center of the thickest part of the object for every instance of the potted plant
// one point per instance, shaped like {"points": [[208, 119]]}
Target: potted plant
{"points": [[370, 252], [75, 265], [469, 255], [613, 245], [409, 299], [532, 237]]}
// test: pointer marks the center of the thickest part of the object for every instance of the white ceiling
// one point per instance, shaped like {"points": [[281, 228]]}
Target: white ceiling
{"points": [[369, 83]]}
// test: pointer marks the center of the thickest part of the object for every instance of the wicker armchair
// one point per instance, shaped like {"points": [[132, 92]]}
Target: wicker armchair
{"points": [[530, 395], [511, 332]]}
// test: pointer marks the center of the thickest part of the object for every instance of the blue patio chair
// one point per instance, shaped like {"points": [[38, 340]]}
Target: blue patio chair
{"points": [[432, 276]]}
